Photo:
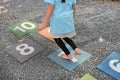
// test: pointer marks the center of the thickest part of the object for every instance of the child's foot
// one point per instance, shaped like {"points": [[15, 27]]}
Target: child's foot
{"points": [[68, 57], [77, 51], [64, 56]]}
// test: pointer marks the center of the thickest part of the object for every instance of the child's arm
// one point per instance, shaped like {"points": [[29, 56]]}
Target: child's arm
{"points": [[47, 16], [74, 8]]}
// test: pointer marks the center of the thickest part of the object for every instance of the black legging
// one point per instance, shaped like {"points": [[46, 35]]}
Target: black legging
{"points": [[61, 44]]}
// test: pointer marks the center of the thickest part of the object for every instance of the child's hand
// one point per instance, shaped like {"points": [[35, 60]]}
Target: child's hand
{"points": [[41, 26]]}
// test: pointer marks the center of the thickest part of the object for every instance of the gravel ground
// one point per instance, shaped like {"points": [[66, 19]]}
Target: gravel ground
{"points": [[95, 20]]}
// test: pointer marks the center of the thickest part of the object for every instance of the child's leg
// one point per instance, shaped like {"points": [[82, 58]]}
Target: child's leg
{"points": [[72, 44], [61, 44]]}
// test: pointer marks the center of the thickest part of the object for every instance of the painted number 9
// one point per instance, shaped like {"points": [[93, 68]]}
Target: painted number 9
{"points": [[25, 26], [24, 49]]}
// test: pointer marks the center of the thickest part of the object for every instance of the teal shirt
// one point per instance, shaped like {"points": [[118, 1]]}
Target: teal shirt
{"points": [[62, 21]]}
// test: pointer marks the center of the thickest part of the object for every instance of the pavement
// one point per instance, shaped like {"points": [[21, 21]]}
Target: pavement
{"points": [[98, 30]]}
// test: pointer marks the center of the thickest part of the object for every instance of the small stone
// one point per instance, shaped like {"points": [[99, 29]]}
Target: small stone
{"points": [[1, 7], [76, 75], [20, 6], [6, 55], [5, 1], [101, 39]]}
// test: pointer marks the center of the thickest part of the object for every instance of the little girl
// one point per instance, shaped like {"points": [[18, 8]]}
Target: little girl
{"points": [[61, 14]]}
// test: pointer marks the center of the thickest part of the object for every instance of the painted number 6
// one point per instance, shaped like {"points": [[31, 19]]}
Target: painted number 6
{"points": [[115, 67], [24, 49]]}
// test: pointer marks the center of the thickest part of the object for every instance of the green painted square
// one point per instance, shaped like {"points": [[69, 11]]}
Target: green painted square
{"points": [[23, 28], [87, 77]]}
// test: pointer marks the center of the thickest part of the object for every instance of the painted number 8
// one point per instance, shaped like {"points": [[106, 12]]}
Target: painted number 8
{"points": [[24, 49]]}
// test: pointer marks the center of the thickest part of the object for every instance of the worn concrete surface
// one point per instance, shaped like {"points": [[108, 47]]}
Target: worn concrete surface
{"points": [[94, 19]]}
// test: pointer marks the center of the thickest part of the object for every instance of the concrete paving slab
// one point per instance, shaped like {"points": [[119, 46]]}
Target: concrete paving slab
{"points": [[24, 50], [67, 64], [111, 65], [87, 76], [46, 33], [22, 29]]}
